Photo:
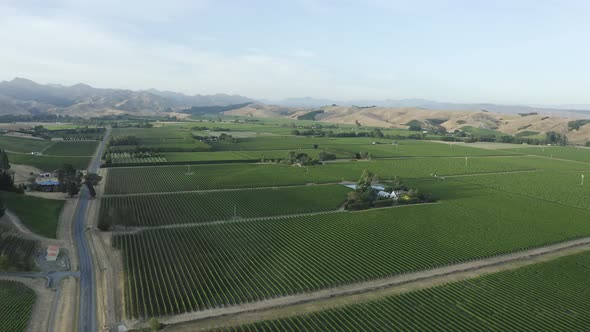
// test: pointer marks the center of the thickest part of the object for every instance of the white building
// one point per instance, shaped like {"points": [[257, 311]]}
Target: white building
{"points": [[52, 253]]}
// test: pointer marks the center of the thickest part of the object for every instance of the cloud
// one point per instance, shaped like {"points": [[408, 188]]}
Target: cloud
{"points": [[68, 50]]}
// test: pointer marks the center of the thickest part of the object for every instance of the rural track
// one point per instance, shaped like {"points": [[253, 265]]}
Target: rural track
{"points": [[87, 310], [368, 290]]}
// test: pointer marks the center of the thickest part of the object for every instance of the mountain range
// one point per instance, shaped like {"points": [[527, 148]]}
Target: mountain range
{"points": [[573, 111], [23, 97]]}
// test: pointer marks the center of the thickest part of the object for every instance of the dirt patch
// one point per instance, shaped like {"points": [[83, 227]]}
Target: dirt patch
{"points": [[366, 291], [65, 229], [42, 308], [109, 266], [66, 306], [22, 173], [48, 195]]}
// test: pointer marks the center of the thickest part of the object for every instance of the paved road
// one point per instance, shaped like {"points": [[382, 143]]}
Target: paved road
{"points": [[87, 310]]}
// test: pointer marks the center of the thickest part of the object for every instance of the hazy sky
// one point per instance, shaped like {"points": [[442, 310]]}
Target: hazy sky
{"points": [[517, 51]]}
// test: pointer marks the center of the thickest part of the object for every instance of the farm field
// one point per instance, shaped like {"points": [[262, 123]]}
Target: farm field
{"points": [[16, 305], [205, 177], [562, 152], [163, 209], [82, 148], [561, 187], [169, 271], [24, 145], [49, 163], [40, 215], [549, 296]]}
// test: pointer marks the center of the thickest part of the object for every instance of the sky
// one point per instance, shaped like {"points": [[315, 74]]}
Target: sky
{"points": [[517, 52]]}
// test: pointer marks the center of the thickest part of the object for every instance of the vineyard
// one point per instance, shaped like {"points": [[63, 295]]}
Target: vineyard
{"points": [[79, 148], [16, 305], [19, 252], [550, 296], [204, 177], [562, 187], [169, 271], [128, 158], [564, 152], [155, 210]]}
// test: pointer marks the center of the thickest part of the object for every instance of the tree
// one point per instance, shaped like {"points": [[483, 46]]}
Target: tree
{"points": [[154, 324], [70, 180], [365, 181], [2, 208], [91, 180], [6, 178]]}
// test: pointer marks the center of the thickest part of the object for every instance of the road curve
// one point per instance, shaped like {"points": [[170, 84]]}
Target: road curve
{"points": [[87, 310]]}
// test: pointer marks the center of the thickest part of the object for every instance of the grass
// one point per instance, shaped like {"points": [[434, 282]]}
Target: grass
{"points": [[16, 306], [155, 210], [40, 215], [49, 163], [25, 145], [548, 296], [207, 266]]}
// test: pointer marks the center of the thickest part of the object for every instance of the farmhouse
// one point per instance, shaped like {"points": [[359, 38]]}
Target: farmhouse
{"points": [[380, 191]]}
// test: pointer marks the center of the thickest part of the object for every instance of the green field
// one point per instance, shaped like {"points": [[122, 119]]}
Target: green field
{"points": [[16, 305], [549, 296], [83, 148], [49, 163], [40, 215], [561, 187], [155, 210], [176, 270], [24, 145], [562, 152]]}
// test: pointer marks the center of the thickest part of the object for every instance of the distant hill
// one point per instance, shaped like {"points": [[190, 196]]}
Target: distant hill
{"points": [[21, 96], [475, 121], [580, 112]]}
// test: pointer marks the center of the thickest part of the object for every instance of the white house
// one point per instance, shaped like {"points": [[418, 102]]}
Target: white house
{"points": [[52, 253]]}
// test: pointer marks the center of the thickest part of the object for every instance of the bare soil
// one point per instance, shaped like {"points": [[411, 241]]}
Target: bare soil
{"points": [[22, 173], [66, 307]]}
